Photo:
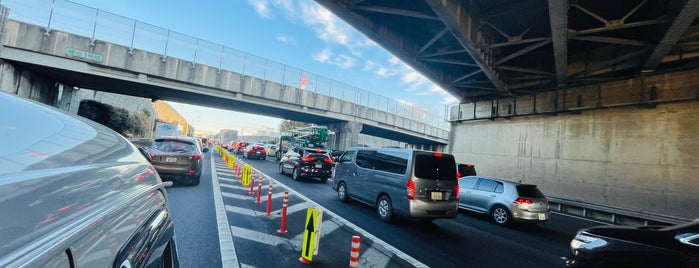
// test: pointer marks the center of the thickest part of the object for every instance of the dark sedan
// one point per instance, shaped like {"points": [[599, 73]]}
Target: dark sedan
{"points": [[307, 162], [177, 158], [74, 193], [255, 151], [636, 246]]}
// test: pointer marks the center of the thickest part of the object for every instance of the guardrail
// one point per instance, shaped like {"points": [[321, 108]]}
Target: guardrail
{"points": [[101, 25], [611, 215]]}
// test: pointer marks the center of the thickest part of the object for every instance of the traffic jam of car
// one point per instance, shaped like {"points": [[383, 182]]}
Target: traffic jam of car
{"points": [[409, 183]]}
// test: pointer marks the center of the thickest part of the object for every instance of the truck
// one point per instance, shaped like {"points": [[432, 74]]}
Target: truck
{"points": [[167, 129], [313, 136], [227, 135]]}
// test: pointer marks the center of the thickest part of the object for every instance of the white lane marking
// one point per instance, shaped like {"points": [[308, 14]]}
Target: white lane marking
{"points": [[225, 238], [259, 237], [379, 244], [236, 196], [289, 210], [242, 211], [235, 187]]}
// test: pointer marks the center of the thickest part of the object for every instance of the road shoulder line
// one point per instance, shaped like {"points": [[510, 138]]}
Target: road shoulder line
{"points": [[225, 238]]}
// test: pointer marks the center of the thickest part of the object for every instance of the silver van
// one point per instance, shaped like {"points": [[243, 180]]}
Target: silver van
{"points": [[402, 182]]}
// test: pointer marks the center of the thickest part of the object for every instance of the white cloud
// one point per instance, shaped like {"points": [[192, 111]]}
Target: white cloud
{"points": [[261, 7], [378, 69], [342, 61], [285, 39], [345, 62], [323, 56]]}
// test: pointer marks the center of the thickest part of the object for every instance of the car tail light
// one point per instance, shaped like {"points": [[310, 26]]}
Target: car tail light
{"points": [[328, 160], [307, 159], [195, 157], [523, 201], [457, 190], [191, 171], [458, 175], [152, 155], [251, 150], [258, 147], [437, 154], [411, 189], [264, 151]]}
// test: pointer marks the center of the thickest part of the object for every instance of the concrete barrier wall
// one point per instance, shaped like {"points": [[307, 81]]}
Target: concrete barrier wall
{"points": [[634, 158]]}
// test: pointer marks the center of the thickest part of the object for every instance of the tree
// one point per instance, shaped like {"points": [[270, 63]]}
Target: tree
{"points": [[118, 119], [287, 125]]}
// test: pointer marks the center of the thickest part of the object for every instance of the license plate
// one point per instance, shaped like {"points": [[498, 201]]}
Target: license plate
{"points": [[319, 165], [436, 195], [171, 159], [542, 216], [258, 152]]}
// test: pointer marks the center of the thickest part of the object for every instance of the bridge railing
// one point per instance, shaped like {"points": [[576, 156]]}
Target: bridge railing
{"points": [[105, 26]]}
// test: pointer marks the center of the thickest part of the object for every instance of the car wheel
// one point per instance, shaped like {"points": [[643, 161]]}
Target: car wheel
{"points": [[323, 180], [277, 155], [384, 208], [342, 192], [500, 215], [295, 174], [281, 169], [264, 158]]}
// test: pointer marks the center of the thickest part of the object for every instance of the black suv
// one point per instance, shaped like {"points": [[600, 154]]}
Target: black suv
{"points": [[307, 162]]}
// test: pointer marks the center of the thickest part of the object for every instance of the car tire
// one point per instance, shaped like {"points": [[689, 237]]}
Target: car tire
{"points": [[277, 155], [281, 169], [500, 215], [384, 208], [195, 180], [295, 174], [323, 180], [342, 192]]}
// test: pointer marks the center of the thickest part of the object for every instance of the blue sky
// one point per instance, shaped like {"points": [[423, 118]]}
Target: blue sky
{"points": [[298, 33]]}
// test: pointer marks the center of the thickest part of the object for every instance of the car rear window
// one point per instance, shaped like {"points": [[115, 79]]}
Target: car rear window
{"points": [[435, 166], [528, 190], [173, 146]]}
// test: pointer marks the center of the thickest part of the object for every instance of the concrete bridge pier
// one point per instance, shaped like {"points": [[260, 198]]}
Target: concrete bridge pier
{"points": [[346, 135]]}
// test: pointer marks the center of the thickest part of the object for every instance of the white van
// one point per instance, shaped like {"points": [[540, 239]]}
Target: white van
{"points": [[402, 182]]}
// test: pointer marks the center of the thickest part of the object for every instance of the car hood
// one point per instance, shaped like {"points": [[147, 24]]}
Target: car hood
{"points": [[659, 236]]}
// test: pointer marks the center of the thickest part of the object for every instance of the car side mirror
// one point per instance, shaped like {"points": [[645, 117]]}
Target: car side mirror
{"points": [[145, 154], [205, 150]]}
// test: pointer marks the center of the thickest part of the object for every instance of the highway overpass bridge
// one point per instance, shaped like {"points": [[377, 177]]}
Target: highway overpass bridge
{"points": [[593, 100], [250, 85]]}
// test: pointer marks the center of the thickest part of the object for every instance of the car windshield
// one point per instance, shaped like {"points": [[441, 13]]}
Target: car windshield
{"points": [[173, 146]]}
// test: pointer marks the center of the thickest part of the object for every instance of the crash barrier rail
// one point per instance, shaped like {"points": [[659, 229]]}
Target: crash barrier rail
{"points": [[612, 215], [101, 25]]}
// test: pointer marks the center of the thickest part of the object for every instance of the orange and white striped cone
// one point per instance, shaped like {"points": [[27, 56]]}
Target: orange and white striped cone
{"points": [[354, 254], [252, 184], [259, 191], [285, 204], [269, 199]]}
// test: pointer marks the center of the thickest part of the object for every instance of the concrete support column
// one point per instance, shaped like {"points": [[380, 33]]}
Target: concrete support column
{"points": [[346, 135]]}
